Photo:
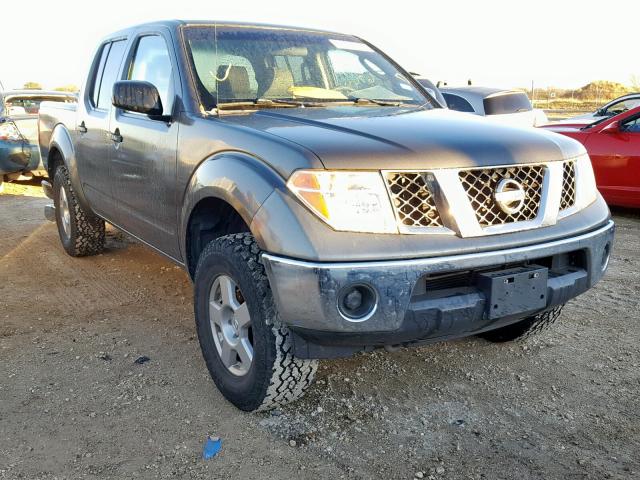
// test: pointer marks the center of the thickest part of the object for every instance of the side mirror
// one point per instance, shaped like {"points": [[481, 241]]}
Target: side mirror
{"points": [[613, 127], [137, 96]]}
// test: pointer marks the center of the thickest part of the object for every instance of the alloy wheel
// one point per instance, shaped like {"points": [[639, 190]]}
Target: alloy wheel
{"points": [[231, 325]]}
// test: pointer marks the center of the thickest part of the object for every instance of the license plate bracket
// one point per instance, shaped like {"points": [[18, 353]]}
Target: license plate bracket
{"points": [[515, 290]]}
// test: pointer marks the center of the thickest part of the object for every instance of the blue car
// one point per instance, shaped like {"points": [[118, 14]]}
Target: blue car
{"points": [[19, 152]]}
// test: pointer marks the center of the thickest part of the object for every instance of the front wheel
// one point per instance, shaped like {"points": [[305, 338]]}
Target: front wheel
{"points": [[248, 353]]}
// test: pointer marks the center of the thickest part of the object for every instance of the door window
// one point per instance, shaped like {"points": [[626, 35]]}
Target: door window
{"points": [[151, 63], [111, 69], [97, 78]]}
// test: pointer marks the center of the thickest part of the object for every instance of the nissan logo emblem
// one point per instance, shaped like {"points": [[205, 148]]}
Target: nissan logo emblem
{"points": [[509, 196]]}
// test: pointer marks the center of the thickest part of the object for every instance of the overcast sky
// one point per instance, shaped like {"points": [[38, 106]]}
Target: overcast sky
{"points": [[560, 43]]}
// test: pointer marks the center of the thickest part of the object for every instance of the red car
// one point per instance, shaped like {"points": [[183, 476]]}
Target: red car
{"points": [[614, 147]]}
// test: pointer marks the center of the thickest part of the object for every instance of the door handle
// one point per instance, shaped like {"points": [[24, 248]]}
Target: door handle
{"points": [[82, 128], [116, 137]]}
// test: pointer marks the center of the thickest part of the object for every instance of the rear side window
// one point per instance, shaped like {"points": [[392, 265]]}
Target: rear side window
{"points": [[151, 63], [454, 102], [510, 103], [97, 78], [110, 74]]}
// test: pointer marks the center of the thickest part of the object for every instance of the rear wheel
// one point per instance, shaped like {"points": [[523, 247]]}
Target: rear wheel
{"points": [[248, 353], [524, 328], [81, 232]]}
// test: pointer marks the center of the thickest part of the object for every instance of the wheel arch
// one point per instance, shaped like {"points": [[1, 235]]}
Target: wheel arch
{"points": [[223, 195], [62, 151]]}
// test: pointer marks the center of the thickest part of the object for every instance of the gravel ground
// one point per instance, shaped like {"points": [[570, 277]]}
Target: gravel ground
{"points": [[75, 404]]}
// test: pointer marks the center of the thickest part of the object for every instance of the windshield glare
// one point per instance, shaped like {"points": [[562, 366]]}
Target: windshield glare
{"points": [[235, 64]]}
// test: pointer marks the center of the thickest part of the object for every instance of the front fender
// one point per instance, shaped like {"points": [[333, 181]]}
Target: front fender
{"points": [[239, 179]]}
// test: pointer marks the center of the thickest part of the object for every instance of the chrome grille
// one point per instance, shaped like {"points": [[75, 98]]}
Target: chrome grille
{"points": [[568, 198], [481, 184], [412, 200]]}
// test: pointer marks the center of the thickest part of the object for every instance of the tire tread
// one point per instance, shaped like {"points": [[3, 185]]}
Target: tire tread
{"points": [[526, 328], [88, 236]]}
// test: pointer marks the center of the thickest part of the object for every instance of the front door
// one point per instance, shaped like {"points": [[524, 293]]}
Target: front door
{"points": [[143, 151]]}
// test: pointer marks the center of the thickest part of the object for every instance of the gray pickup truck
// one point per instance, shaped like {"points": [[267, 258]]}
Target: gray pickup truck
{"points": [[320, 199]]}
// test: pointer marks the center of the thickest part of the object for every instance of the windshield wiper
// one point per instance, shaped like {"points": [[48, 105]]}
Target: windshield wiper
{"points": [[258, 103], [281, 101], [372, 101], [269, 102], [597, 122]]}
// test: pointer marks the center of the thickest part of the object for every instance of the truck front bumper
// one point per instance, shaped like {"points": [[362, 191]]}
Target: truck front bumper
{"points": [[425, 299]]}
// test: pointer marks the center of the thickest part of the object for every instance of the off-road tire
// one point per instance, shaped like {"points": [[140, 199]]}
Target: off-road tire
{"points": [[87, 230], [525, 328], [275, 377]]}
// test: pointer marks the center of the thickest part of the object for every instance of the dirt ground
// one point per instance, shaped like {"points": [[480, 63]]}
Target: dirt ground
{"points": [[75, 404]]}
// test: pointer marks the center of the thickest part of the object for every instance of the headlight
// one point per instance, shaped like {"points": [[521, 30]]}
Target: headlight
{"points": [[348, 201], [8, 131], [586, 191]]}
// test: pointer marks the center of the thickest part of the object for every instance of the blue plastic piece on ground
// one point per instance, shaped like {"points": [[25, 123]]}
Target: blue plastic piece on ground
{"points": [[211, 447]]}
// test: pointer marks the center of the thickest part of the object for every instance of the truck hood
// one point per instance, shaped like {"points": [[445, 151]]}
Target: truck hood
{"points": [[401, 138]]}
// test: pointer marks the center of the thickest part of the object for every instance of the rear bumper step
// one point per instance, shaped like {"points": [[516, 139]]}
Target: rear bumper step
{"points": [[47, 189], [50, 213]]}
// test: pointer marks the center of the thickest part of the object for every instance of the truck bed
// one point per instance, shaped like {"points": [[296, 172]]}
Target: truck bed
{"points": [[51, 115]]}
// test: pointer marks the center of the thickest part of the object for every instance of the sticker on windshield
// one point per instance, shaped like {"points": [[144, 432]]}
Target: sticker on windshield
{"points": [[350, 45]]}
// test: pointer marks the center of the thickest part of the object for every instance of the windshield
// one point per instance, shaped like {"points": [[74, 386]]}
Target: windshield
{"points": [[621, 107], [292, 68]]}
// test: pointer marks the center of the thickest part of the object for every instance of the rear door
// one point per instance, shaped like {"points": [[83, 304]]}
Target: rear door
{"points": [[92, 127], [143, 151], [615, 154]]}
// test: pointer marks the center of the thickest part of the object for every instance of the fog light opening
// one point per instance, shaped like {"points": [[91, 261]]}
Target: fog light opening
{"points": [[357, 302], [606, 256]]}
